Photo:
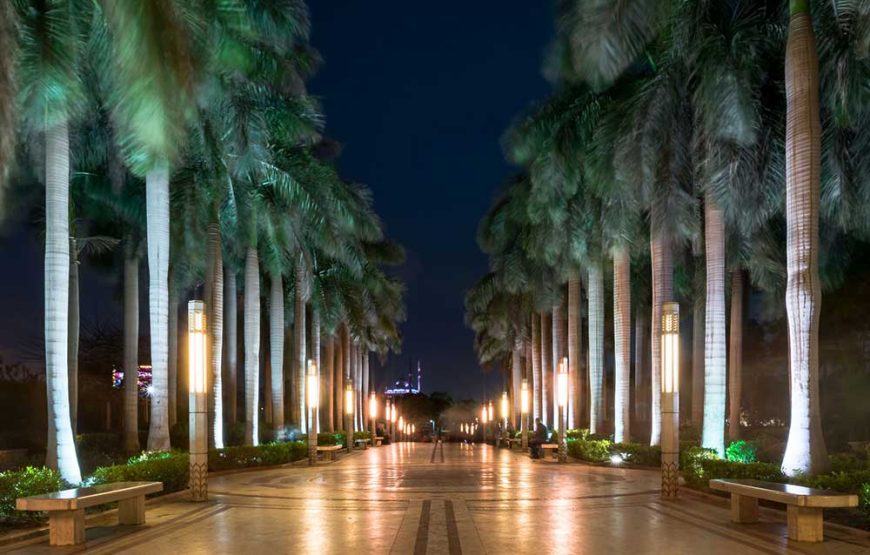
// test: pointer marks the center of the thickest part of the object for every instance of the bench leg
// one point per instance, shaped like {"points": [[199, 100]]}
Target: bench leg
{"points": [[805, 524], [744, 509], [66, 527], [132, 511]]}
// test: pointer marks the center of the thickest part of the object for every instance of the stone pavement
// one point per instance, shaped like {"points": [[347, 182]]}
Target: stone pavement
{"points": [[421, 498]]}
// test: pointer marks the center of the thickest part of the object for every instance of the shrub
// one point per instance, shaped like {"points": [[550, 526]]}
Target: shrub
{"points": [[848, 462], [639, 454], [579, 433], [591, 450], [741, 451], [331, 438], [170, 468], [22, 483], [362, 435], [246, 456]]}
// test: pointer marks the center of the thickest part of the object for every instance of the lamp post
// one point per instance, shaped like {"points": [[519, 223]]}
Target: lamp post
{"points": [[348, 413], [373, 415], [393, 418], [504, 415], [524, 413], [198, 414], [562, 400], [312, 394], [670, 399], [483, 422], [402, 426]]}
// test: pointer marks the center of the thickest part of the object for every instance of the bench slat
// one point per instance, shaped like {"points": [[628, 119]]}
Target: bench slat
{"points": [[329, 447], [80, 498], [789, 494]]}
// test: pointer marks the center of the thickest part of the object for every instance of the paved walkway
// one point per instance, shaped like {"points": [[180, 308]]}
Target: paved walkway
{"points": [[419, 498]]}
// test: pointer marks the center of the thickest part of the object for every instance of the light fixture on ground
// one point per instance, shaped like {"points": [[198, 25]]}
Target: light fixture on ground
{"points": [[312, 394], [562, 400], [198, 414], [373, 415], [348, 413], [670, 399], [524, 413]]}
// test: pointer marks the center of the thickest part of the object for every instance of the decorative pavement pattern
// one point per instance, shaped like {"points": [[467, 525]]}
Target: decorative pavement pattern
{"points": [[419, 498]]}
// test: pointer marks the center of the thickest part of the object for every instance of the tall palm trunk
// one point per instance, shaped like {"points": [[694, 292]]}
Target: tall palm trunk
{"points": [[698, 323], [173, 350], [276, 346], [74, 328], [300, 347], [131, 351], [329, 382], [338, 385], [63, 449], [215, 310], [346, 364], [252, 346], [622, 345], [641, 388], [558, 339], [157, 215], [805, 450], [315, 354], [546, 368], [537, 408], [516, 380], [364, 368], [574, 338], [596, 347], [231, 334], [663, 291], [735, 356], [713, 432]]}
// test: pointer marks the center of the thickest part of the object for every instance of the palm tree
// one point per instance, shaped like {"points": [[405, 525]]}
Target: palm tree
{"points": [[8, 90]]}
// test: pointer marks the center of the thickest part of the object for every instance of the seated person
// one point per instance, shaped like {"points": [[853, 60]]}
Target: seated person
{"points": [[539, 438]]}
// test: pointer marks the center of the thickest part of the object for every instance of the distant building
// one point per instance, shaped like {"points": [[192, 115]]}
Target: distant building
{"points": [[406, 387]]}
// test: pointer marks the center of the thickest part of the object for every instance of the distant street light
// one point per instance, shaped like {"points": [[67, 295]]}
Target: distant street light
{"points": [[312, 394], [483, 413], [562, 399], [504, 413], [198, 414], [348, 413], [373, 415], [402, 426], [524, 413], [670, 399]]}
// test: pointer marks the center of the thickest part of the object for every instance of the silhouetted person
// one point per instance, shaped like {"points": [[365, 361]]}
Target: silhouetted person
{"points": [[539, 438]]}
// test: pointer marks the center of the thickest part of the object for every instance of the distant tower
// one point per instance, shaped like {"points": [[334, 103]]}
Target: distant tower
{"points": [[419, 378]]}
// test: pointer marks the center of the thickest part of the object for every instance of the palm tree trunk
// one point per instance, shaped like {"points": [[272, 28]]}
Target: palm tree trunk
{"points": [[329, 383], [622, 345], [516, 380], [346, 364], [231, 333], [698, 323], [574, 324], [276, 345], [74, 328], [713, 431], [805, 449], [558, 339], [215, 311], [546, 367], [131, 351], [252, 346], [338, 385], [663, 290], [173, 350], [641, 388], [735, 356], [364, 368], [596, 347], [157, 215], [315, 353], [537, 408], [300, 348], [63, 449]]}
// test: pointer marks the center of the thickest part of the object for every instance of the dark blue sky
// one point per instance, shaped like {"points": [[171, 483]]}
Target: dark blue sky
{"points": [[419, 94]]}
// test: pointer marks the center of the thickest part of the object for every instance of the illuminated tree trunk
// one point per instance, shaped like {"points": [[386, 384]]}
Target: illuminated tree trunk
{"points": [[622, 345], [536, 366], [173, 350], [641, 371], [546, 369], [663, 291], [735, 356], [516, 380], [698, 323], [713, 432], [231, 334], [315, 354], [74, 328], [131, 351], [157, 216], [300, 347], [329, 382], [558, 336], [596, 347], [805, 449], [574, 366], [252, 346], [62, 450], [276, 346], [214, 301]]}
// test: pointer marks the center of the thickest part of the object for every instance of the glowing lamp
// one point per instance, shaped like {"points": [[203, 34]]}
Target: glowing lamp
{"points": [[670, 403], [670, 348], [504, 405], [490, 414], [562, 383], [198, 414], [373, 406], [313, 387], [413, 428], [348, 398], [524, 397], [196, 346], [402, 423]]}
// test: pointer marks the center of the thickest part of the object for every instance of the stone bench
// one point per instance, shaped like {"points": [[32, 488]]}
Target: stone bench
{"points": [[365, 442], [514, 441], [329, 451], [66, 508], [379, 441], [804, 505], [554, 447]]}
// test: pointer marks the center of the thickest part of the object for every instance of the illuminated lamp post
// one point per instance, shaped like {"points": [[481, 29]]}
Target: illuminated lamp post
{"points": [[348, 414], [387, 410], [562, 400], [504, 415], [393, 417], [198, 414], [373, 415], [670, 399], [402, 427], [524, 413], [312, 393], [483, 422]]}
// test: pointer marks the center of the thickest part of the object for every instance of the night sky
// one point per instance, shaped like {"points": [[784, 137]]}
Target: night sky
{"points": [[418, 93]]}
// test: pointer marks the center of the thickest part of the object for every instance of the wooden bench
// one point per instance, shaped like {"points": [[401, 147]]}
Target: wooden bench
{"points": [[549, 446], [805, 505], [329, 451], [66, 508], [378, 441], [365, 442]]}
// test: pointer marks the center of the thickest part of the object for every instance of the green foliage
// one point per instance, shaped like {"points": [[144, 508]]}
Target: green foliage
{"points": [[362, 435], [581, 433], [179, 435], [246, 456], [22, 483], [592, 450], [331, 438], [741, 451], [170, 468], [638, 454]]}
